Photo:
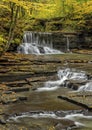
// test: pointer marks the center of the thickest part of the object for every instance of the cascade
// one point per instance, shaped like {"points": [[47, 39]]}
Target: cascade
{"points": [[63, 75], [76, 117], [72, 74], [37, 43], [86, 87], [68, 44]]}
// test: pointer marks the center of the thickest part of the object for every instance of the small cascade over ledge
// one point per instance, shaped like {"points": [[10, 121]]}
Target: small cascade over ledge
{"points": [[37, 43], [86, 87], [64, 75]]}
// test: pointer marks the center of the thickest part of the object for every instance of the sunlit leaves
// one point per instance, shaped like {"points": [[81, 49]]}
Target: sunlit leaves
{"points": [[71, 10]]}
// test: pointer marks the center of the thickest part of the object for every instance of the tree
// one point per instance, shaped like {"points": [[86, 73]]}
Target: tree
{"points": [[73, 13], [19, 8], [15, 7]]}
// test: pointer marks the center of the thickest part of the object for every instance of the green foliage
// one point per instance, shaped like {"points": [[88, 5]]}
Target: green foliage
{"points": [[54, 25], [2, 40], [2, 43]]}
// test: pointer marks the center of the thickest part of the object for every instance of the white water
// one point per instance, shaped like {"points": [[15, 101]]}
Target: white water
{"points": [[33, 115], [77, 117], [86, 87], [63, 75], [72, 74], [37, 43], [68, 44], [80, 120], [47, 89]]}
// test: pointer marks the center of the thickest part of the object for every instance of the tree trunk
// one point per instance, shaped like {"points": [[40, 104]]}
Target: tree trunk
{"points": [[14, 17]]}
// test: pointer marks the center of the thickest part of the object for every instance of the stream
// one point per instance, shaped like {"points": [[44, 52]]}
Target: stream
{"points": [[44, 111]]}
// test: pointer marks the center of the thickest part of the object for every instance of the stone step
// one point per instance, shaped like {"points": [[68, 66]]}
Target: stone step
{"points": [[76, 102], [19, 89], [23, 75]]}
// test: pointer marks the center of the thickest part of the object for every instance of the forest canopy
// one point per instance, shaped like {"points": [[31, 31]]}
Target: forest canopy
{"points": [[17, 16]]}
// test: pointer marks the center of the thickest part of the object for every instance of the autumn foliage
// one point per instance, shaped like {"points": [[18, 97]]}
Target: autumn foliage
{"points": [[74, 15]]}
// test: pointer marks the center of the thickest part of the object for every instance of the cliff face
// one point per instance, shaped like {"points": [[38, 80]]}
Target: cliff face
{"points": [[66, 41], [62, 36], [77, 38], [75, 41]]}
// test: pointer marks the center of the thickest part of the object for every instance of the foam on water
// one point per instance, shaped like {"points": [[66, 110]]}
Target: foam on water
{"points": [[78, 119], [48, 50], [37, 115], [75, 117], [72, 74], [32, 115], [86, 87], [47, 89], [63, 75], [37, 43]]}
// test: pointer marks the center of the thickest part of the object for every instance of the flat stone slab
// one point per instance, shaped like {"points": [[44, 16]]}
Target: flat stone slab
{"points": [[20, 89], [83, 99]]}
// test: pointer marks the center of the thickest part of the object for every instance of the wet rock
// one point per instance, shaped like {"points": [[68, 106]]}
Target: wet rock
{"points": [[58, 126], [82, 51], [19, 83], [34, 89], [5, 70], [23, 98], [9, 98], [35, 79], [41, 49], [19, 89], [60, 113], [8, 92], [73, 84], [3, 87], [9, 101], [89, 76], [2, 120]]}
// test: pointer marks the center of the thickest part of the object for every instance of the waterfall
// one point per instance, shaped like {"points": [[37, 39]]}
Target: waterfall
{"points": [[86, 87], [72, 74], [67, 74], [37, 43], [63, 75], [68, 44]]}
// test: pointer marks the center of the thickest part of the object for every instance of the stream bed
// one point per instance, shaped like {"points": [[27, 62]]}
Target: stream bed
{"points": [[45, 111], [41, 79]]}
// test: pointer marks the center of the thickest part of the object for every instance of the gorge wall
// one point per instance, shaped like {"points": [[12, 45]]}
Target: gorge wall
{"points": [[76, 40], [66, 41]]}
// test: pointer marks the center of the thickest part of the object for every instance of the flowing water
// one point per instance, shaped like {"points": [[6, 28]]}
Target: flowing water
{"points": [[45, 111], [63, 75], [68, 44], [86, 87], [37, 43], [75, 116]]}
